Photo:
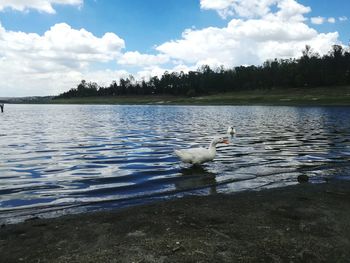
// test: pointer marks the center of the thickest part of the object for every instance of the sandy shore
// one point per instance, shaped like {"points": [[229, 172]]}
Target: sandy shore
{"points": [[302, 223]]}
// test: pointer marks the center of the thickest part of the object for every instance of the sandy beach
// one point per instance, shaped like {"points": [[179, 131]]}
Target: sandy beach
{"points": [[301, 223]]}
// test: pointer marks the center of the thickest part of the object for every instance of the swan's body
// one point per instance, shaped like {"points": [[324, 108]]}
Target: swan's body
{"points": [[231, 130], [200, 155], [196, 155]]}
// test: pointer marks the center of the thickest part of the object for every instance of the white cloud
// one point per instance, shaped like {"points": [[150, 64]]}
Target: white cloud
{"points": [[151, 71], [243, 8], [45, 6], [331, 20], [148, 72], [247, 42], [44, 64], [343, 18], [61, 46], [137, 59], [198, 45], [103, 77], [289, 9], [57, 60], [317, 20], [244, 41]]}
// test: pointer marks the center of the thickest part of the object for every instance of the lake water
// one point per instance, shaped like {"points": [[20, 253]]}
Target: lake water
{"points": [[58, 159]]}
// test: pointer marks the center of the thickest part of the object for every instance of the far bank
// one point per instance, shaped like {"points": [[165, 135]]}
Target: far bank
{"points": [[290, 97]]}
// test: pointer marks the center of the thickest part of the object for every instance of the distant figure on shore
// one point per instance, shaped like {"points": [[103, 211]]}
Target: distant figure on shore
{"points": [[2, 107]]}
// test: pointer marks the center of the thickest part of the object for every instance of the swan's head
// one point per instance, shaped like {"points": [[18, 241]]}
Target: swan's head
{"points": [[221, 140], [231, 130]]}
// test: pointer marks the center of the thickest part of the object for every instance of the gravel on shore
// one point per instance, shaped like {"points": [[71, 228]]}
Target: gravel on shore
{"points": [[301, 223]]}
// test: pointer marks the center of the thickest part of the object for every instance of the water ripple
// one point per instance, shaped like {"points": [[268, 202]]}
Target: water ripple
{"points": [[67, 156]]}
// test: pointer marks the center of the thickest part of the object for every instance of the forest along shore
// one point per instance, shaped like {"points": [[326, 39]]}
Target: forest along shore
{"points": [[301, 223], [320, 96]]}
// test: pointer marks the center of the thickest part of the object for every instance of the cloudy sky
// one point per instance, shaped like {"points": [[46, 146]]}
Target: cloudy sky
{"points": [[48, 46]]}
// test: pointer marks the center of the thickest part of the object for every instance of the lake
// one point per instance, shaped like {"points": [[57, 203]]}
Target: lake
{"points": [[58, 159]]}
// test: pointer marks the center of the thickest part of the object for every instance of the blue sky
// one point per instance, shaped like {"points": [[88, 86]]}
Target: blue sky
{"points": [[47, 48], [141, 23]]}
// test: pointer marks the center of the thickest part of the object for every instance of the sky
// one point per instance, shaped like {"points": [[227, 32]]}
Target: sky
{"points": [[48, 46]]}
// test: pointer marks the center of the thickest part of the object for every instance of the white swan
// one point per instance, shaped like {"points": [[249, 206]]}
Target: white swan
{"points": [[200, 155], [231, 130]]}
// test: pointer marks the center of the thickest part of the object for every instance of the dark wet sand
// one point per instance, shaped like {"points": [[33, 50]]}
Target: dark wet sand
{"points": [[302, 223]]}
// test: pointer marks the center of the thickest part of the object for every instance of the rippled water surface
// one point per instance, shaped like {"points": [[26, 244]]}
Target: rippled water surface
{"points": [[91, 157]]}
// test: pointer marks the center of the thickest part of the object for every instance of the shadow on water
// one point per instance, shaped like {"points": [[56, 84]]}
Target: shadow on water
{"points": [[195, 177]]}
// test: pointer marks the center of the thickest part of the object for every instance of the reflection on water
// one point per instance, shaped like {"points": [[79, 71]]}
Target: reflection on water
{"points": [[194, 177], [68, 155]]}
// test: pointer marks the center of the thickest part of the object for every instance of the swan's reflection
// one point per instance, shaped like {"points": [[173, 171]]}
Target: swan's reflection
{"points": [[195, 177]]}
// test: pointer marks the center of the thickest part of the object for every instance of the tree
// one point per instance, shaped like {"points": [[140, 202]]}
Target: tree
{"points": [[310, 70]]}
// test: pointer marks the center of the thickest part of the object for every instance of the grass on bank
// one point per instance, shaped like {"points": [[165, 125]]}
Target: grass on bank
{"points": [[292, 96]]}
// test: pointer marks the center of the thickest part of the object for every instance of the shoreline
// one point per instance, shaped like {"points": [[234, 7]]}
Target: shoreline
{"points": [[318, 96], [300, 223]]}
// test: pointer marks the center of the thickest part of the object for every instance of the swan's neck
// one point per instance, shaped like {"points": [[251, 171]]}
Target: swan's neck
{"points": [[212, 146]]}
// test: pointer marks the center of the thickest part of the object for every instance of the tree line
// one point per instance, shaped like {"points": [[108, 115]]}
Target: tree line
{"points": [[310, 70]]}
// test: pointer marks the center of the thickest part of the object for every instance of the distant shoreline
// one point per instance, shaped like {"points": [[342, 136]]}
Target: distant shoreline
{"points": [[301, 223], [325, 96]]}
